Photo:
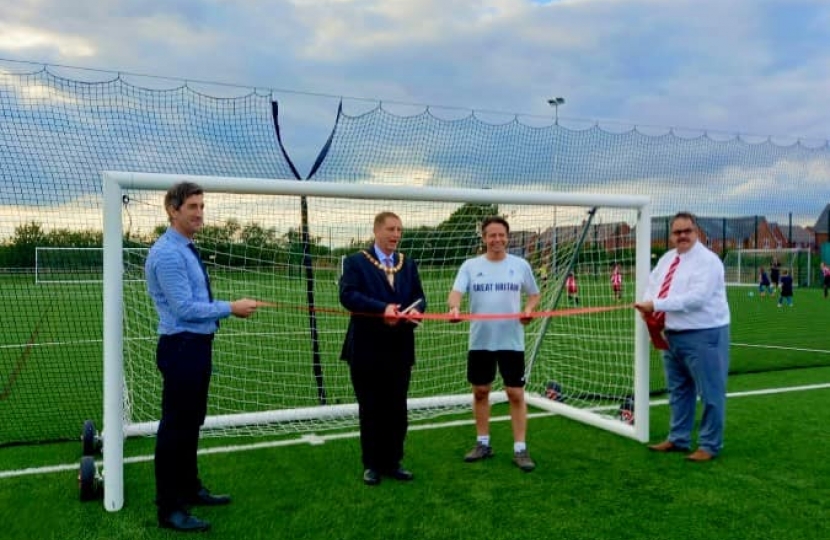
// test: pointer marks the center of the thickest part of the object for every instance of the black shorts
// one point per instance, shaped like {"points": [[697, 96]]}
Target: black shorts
{"points": [[481, 367]]}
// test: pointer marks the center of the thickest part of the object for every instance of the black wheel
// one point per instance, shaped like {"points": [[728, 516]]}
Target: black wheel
{"points": [[627, 411], [89, 438], [89, 483]]}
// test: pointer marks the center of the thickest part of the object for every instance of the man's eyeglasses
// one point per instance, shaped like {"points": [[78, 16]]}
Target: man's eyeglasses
{"points": [[678, 232]]}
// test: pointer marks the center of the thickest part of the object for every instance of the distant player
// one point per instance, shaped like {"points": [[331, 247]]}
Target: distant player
{"points": [[786, 296], [616, 282], [543, 275], [775, 273], [572, 289], [825, 274], [763, 283]]}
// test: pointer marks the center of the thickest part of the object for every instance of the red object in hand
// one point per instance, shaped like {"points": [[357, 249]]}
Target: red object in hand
{"points": [[655, 327]]}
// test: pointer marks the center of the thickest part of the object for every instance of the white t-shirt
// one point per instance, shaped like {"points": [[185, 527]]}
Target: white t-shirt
{"points": [[496, 287]]}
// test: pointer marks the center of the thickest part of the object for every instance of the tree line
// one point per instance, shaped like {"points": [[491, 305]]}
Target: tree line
{"points": [[234, 244]]}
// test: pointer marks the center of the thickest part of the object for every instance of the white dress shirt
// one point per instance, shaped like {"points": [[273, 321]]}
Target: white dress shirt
{"points": [[697, 296]]}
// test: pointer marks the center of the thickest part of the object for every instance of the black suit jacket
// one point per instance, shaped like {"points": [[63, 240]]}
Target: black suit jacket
{"points": [[365, 292]]}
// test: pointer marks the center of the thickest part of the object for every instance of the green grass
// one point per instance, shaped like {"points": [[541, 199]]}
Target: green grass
{"points": [[770, 482], [51, 349]]}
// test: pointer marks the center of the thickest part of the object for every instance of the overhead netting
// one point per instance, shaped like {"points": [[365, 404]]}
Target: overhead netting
{"points": [[750, 192], [56, 137], [58, 134]]}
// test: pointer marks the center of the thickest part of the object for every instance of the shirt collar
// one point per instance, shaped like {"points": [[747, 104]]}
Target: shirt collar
{"points": [[381, 256], [178, 237]]}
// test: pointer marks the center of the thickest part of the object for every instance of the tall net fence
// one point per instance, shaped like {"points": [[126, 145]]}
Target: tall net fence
{"points": [[57, 134], [56, 137], [750, 193]]}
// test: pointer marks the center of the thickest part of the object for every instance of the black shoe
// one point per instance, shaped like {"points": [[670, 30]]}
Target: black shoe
{"points": [[203, 497], [400, 474], [182, 521], [371, 477]]}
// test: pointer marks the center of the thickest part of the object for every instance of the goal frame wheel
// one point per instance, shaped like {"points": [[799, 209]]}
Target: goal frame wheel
{"points": [[90, 440], [90, 484]]}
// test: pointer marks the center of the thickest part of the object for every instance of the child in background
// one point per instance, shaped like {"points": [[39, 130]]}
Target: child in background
{"points": [[763, 283], [786, 289], [616, 282], [775, 273], [572, 289]]}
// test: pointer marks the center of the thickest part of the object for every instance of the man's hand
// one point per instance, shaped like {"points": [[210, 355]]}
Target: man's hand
{"points": [[391, 315], [645, 307], [526, 317], [455, 314], [244, 307]]}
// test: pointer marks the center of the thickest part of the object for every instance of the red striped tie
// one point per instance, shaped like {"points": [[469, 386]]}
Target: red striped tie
{"points": [[659, 316]]}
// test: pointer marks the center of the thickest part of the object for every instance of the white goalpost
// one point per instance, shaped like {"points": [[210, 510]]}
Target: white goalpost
{"points": [[280, 373], [743, 265]]}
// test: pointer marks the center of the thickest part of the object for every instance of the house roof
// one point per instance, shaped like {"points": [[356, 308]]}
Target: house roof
{"points": [[800, 235], [713, 227], [821, 222]]}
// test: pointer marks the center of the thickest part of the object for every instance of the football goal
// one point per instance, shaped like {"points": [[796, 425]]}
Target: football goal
{"points": [[282, 241], [66, 265], [743, 266]]}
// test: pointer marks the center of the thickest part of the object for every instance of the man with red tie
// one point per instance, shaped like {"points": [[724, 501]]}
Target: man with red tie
{"points": [[686, 295]]}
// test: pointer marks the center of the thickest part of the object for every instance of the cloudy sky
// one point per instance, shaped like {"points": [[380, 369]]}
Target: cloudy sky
{"points": [[758, 68], [738, 66]]}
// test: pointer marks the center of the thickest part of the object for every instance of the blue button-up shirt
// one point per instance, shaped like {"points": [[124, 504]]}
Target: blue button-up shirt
{"points": [[177, 286]]}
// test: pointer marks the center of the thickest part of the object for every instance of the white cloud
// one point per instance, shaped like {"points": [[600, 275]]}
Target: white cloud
{"points": [[759, 68], [732, 66], [25, 39]]}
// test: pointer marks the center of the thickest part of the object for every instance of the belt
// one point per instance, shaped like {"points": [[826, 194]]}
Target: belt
{"points": [[189, 336], [676, 332]]}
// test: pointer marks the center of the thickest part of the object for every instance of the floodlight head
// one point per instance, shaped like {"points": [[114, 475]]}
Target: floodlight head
{"points": [[555, 102]]}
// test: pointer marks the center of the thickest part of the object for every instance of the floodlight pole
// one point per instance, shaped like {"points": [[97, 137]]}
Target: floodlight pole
{"points": [[555, 103]]}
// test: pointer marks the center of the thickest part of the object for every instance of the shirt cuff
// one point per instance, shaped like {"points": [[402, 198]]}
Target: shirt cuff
{"points": [[224, 309]]}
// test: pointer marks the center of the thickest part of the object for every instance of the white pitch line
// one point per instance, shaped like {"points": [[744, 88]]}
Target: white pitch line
{"points": [[314, 439], [780, 348]]}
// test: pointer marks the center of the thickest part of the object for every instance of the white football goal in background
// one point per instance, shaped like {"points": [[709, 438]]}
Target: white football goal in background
{"points": [[80, 264], [282, 241], [743, 265]]}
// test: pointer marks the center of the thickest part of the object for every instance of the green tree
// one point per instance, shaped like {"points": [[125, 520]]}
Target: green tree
{"points": [[453, 240]]}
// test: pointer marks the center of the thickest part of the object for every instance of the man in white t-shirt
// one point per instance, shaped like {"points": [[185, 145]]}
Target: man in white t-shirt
{"points": [[495, 282]]}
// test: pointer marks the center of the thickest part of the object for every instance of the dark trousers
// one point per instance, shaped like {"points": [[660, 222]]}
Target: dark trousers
{"points": [[381, 392], [184, 361]]}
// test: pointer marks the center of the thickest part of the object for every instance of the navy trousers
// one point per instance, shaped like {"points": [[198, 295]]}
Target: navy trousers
{"points": [[184, 361]]}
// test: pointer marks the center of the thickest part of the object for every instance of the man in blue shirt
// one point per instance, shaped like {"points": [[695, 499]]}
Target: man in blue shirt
{"points": [[188, 317]]}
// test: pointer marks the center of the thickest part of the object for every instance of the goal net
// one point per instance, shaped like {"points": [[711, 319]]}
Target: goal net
{"points": [[743, 266], [283, 241], [82, 265]]}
